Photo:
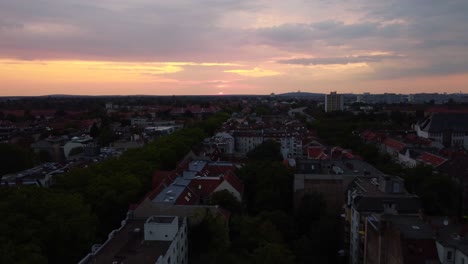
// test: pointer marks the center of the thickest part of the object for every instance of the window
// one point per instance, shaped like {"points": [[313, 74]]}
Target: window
{"points": [[449, 255]]}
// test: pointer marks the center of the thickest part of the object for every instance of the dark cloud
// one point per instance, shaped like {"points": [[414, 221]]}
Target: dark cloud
{"points": [[339, 60], [146, 30], [432, 33]]}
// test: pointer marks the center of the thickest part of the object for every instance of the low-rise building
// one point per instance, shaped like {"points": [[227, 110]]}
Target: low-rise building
{"points": [[42, 175]]}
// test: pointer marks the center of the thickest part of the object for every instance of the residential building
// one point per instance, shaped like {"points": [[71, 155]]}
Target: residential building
{"points": [[159, 239], [42, 175], [222, 142], [53, 146], [334, 102], [374, 195], [450, 129], [451, 241], [194, 184], [247, 140], [329, 178], [398, 239], [85, 145]]}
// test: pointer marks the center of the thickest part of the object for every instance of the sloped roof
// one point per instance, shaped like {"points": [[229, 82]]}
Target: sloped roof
{"points": [[438, 122], [205, 186], [394, 144], [432, 159], [315, 152], [160, 177], [235, 182]]}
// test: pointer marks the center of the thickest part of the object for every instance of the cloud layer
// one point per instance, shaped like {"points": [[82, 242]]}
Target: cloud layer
{"points": [[257, 46]]}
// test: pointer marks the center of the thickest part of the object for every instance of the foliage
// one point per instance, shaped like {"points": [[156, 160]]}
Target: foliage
{"points": [[267, 151], [14, 158], [273, 253], [439, 194], [44, 226], [208, 238], [227, 201], [267, 186]]}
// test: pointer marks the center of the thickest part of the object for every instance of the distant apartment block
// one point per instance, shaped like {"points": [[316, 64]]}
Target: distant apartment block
{"points": [[334, 102], [247, 140]]}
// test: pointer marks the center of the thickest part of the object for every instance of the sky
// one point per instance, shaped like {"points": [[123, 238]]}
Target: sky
{"points": [[209, 47]]}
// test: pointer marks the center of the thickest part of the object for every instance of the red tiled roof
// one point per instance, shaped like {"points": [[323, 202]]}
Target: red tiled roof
{"points": [[86, 123], [235, 182], [315, 152], [217, 169], [44, 112], [368, 135], [13, 112], [427, 251], [432, 159], [159, 177], [412, 138], [187, 197], [394, 144], [348, 155], [205, 186], [336, 152]]}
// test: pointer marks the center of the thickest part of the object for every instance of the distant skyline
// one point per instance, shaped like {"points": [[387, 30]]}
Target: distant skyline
{"points": [[208, 47]]}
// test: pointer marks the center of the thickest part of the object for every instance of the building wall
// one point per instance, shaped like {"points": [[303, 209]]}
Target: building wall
{"points": [[289, 144], [460, 258], [442, 251], [178, 250], [334, 102], [354, 237]]}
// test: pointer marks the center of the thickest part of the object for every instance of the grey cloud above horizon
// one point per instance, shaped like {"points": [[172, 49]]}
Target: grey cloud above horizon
{"points": [[340, 60], [397, 38]]}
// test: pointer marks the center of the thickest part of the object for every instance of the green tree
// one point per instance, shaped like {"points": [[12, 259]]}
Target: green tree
{"points": [[208, 238], [273, 253], [226, 200], [44, 226], [267, 151], [14, 158]]}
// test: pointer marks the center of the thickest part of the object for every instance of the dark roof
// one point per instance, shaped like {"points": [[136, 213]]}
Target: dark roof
{"points": [[411, 227], [370, 198], [439, 122], [129, 247], [403, 203]]}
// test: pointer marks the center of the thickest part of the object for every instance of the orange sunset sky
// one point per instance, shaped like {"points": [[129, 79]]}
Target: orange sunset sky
{"points": [[153, 47]]}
